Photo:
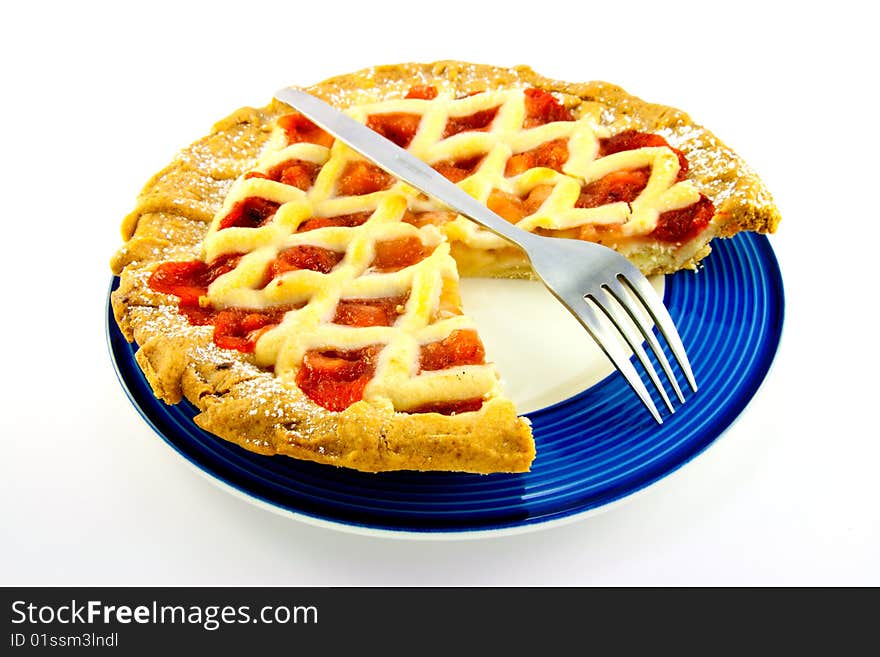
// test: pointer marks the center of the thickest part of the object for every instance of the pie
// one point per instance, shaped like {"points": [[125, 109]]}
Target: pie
{"points": [[307, 303]]}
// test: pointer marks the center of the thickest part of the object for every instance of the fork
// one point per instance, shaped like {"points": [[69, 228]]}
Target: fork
{"points": [[605, 292]]}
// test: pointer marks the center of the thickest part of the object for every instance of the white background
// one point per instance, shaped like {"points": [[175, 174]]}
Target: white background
{"points": [[95, 98]]}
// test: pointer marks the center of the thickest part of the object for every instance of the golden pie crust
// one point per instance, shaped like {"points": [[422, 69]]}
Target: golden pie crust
{"points": [[247, 405]]}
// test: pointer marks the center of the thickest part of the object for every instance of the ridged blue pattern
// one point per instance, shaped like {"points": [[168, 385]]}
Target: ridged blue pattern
{"points": [[594, 448]]}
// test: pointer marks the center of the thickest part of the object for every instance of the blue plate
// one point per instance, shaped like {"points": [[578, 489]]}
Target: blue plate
{"points": [[593, 449]]}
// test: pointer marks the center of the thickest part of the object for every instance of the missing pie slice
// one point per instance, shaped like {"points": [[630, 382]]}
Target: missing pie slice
{"points": [[307, 303]]}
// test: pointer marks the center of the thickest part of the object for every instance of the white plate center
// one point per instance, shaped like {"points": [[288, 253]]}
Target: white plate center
{"points": [[542, 353]]}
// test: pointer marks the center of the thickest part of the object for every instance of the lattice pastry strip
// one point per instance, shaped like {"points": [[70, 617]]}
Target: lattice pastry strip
{"points": [[505, 137], [307, 304], [310, 327], [486, 129]]}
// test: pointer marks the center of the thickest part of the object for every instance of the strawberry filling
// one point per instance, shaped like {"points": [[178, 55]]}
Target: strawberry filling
{"points": [[391, 255], [190, 280], [240, 328], [552, 154], [512, 207], [477, 121], [422, 91], [686, 223], [369, 312], [458, 170], [461, 347], [360, 177], [629, 140], [296, 173], [339, 221], [336, 379], [398, 127], [674, 226], [615, 187], [543, 108], [304, 256], [251, 212], [298, 129], [234, 328]]}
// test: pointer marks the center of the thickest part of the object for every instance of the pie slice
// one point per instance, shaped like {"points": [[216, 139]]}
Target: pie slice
{"points": [[307, 303]]}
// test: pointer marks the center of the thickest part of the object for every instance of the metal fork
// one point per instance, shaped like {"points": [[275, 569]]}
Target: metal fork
{"points": [[607, 294]]}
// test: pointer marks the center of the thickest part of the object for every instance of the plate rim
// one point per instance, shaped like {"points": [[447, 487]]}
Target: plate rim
{"points": [[523, 526]]}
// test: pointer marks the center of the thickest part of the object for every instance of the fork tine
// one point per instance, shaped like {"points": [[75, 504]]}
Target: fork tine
{"points": [[608, 342], [618, 291], [633, 340], [643, 291]]}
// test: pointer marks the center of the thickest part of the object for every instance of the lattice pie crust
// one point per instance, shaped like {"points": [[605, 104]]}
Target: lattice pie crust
{"points": [[475, 125]]}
